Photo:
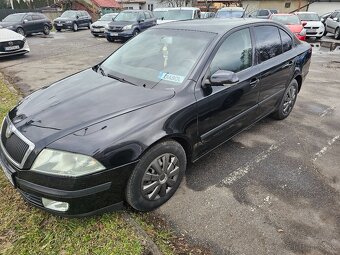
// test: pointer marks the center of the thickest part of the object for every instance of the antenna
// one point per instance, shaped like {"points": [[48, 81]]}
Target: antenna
{"points": [[244, 13]]}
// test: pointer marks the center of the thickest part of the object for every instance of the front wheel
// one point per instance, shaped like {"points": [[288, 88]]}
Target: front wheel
{"points": [[337, 33], [287, 102], [20, 31], [157, 176], [46, 30], [75, 27], [110, 39], [135, 32], [89, 25]]}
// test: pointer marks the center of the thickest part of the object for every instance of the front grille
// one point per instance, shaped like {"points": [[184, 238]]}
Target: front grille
{"points": [[11, 43], [32, 198], [97, 26], [311, 27], [15, 147], [115, 29]]}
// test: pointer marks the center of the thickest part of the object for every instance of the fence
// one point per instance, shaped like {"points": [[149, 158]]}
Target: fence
{"points": [[50, 13]]}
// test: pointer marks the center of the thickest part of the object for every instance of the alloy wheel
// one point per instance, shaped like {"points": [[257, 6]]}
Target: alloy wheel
{"points": [[75, 27], [21, 31], [289, 100], [160, 176]]}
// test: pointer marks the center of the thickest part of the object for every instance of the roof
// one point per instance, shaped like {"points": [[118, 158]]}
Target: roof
{"points": [[305, 12], [283, 14], [106, 3], [231, 9], [176, 8], [219, 26]]}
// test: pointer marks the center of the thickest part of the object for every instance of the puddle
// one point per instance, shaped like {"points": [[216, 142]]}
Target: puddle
{"points": [[325, 46]]}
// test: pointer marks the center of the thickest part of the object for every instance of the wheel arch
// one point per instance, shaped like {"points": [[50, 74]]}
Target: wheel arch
{"points": [[298, 78]]}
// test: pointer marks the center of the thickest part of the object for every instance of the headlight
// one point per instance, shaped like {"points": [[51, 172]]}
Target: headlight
{"points": [[65, 163], [303, 32], [106, 26], [127, 27]]}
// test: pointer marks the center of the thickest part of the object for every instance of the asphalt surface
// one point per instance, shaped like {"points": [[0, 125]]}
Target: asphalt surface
{"points": [[274, 189]]}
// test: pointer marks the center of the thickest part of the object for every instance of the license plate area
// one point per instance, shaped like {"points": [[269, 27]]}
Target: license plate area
{"points": [[114, 34], [310, 30], [15, 47]]}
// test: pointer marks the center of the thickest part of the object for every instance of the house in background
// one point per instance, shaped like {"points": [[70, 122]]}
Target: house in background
{"points": [[150, 4]]}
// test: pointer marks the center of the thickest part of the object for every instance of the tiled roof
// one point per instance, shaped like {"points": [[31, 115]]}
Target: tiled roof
{"points": [[106, 3]]}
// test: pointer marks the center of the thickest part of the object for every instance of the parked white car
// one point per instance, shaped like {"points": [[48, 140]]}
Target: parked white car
{"points": [[165, 15], [313, 25], [12, 43], [98, 27]]}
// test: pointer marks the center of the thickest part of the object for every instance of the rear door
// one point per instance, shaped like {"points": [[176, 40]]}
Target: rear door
{"points": [[143, 21], [148, 20], [38, 23], [275, 65], [225, 110], [331, 23]]}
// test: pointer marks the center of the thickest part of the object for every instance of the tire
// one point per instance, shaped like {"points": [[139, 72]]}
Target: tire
{"points": [[89, 25], [324, 32], [58, 29], [135, 32], [110, 39], [287, 102], [95, 35], [337, 33], [75, 27], [46, 30], [146, 194], [20, 31]]}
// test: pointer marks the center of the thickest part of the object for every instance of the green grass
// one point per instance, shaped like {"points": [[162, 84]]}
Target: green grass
{"points": [[27, 230]]}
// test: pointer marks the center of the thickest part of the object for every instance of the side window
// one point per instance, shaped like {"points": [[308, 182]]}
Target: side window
{"points": [[234, 54], [141, 16], [268, 42], [36, 17], [333, 15], [147, 15], [263, 13], [29, 17], [287, 42]]}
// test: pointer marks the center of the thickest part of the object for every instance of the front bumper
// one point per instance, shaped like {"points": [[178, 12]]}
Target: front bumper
{"points": [[86, 195], [21, 51], [98, 31], [312, 32], [125, 34], [63, 26]]}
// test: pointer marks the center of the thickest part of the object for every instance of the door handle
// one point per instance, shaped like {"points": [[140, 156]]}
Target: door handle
{"points": [[290, 63], [253, 82]]}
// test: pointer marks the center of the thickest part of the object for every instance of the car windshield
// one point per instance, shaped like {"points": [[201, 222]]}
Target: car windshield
{"points": [[159, 14], [160, 58], [308, 16], [68, 14], [287, 19], [14, 17], [178, 14], [229, 14], [127, 16], [108, 17]]}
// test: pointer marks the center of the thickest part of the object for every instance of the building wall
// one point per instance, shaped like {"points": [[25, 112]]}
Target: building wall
{"points": [[273, 4], [324, 7]]}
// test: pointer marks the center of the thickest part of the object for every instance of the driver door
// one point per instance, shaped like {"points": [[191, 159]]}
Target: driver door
{"points": [[224, 111]]}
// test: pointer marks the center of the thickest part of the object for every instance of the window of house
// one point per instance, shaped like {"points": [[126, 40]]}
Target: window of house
{"points": [[234, 54], [287, 5], [268, 42]]}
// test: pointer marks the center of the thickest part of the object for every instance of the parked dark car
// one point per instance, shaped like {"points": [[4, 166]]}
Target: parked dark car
{"points": [[73, 20], [128, 24], [125, 129], [27, 23], [262, 13]]}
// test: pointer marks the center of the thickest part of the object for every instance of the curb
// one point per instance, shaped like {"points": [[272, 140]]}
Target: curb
{"points": [[151, 247]]}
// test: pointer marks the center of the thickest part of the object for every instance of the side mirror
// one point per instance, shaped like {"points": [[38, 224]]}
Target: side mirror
{"points": [[304, 24], [335, 19], [140, 21], [77, 17], [25, 21], [222, 77]]}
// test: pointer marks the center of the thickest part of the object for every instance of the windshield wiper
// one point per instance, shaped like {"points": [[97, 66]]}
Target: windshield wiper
{"points": [[101, 71], [120, 79]]}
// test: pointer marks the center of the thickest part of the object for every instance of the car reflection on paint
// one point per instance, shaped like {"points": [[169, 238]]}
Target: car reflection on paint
{"points": [[125, 129]]}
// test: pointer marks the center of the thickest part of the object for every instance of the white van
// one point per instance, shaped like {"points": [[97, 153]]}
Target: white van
{"points": [[165, 15]]}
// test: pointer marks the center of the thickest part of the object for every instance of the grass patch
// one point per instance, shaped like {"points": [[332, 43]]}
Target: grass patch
{"points": [[27, 230]]}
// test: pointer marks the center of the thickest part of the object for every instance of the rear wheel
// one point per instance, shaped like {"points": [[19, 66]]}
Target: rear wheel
{"points": [[287, 102], [20, 31], [75, 27], [337, 33], [46, 30], [157, 176], [89, 25]]}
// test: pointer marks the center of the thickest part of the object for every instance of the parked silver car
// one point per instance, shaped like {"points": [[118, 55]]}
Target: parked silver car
{"points": [[98, 27], [333, 24], [12, 43]]}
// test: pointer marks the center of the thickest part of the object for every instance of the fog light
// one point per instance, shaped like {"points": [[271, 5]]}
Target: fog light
{"points": [[55, 205]]}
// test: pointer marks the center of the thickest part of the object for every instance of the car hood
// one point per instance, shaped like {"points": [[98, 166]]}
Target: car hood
{"points": [[159, 21], [313, 23], [62, 19], [295, 28], [7, 24], [9, 35], [79, 101], [100, 23], [121, 23]]}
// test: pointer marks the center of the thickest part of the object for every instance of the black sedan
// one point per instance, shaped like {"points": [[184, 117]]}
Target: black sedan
{"points": [[27, 23], [125, 129]]}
